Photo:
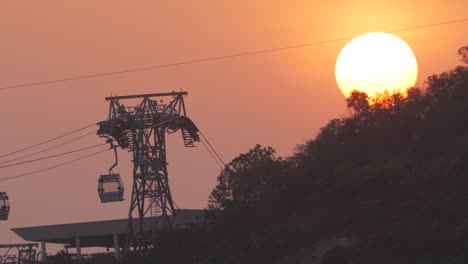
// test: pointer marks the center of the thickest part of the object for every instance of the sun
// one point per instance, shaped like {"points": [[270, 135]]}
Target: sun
{"points": [[374, 63]]}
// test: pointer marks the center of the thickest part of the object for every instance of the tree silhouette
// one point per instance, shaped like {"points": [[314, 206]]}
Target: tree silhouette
{"points": [[358, 102], [245, 179], [463, 52]]}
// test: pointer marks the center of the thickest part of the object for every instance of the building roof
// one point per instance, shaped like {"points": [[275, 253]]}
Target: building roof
{"points": [[98, 233]]}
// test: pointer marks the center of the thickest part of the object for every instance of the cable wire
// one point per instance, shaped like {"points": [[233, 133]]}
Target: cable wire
{"points": [[47, 141], [212, 148], [47, 149], [176, 205], [52, 156], [428, 25], [71, 161], [53, 167], [216, 58], [67, 142], [211, 154]]}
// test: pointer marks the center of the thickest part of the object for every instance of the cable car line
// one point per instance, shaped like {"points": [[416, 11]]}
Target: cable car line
{"points": [[212, 155], [53, 167], [58, 137], [176, 205], [211, 146], [65, 153], [47, 149], [47, 141], [52, 156], [242, 54], [428, 25]]}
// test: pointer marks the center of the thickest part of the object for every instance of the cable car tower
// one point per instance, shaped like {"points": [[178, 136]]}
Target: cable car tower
{"points": [[141, 129]]}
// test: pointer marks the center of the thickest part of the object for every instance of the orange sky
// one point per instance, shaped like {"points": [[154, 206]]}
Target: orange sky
{"points": [[278, 99]]}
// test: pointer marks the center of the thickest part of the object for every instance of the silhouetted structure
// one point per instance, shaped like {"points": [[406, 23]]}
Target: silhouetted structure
{"points": [[25, 253], [141, 129], [106, 234]]}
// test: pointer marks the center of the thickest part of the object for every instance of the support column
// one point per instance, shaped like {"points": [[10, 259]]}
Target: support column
{"points": [[126, 248], [78, 247], [43, 251], [116, 246]]}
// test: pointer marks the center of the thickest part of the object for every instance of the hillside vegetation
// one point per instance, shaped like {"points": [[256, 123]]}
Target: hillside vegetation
{"points": [[392, 177]]}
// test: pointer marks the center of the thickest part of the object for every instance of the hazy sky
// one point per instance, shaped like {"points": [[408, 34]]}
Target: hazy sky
{"points": [[278, 99]]}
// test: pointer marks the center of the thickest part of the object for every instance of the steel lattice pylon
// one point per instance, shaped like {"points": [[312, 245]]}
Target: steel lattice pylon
{"points": [[141, 129]]}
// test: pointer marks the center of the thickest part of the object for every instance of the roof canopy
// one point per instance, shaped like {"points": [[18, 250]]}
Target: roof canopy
{"points": [[98, 233]]}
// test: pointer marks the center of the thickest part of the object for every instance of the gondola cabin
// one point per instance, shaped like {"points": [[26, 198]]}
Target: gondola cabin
{"points": [[110, 188], [4, 206]]}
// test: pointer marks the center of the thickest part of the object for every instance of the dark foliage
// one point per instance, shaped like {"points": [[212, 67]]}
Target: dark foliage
{"points": [[392, 175]]}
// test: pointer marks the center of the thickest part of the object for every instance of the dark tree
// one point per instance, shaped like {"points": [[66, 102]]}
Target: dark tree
{"points": [[463, 52], [358, 102], [245, 179]]}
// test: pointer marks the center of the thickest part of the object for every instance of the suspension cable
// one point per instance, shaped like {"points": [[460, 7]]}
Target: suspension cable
{"points": [[53, 167], [52, 156], [47, 141], [47, 149], [212, 148], [211, 154], [229, 56]]}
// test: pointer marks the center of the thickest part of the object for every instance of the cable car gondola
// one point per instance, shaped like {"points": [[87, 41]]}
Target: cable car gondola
{"points": [[4, 206], [110, 188]]}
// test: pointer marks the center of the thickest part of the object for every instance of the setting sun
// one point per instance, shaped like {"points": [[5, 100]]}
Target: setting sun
{"points": [[374, 63]]}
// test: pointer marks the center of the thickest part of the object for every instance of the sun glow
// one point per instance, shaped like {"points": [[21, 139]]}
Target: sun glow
{"points": [[375, 63]]}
